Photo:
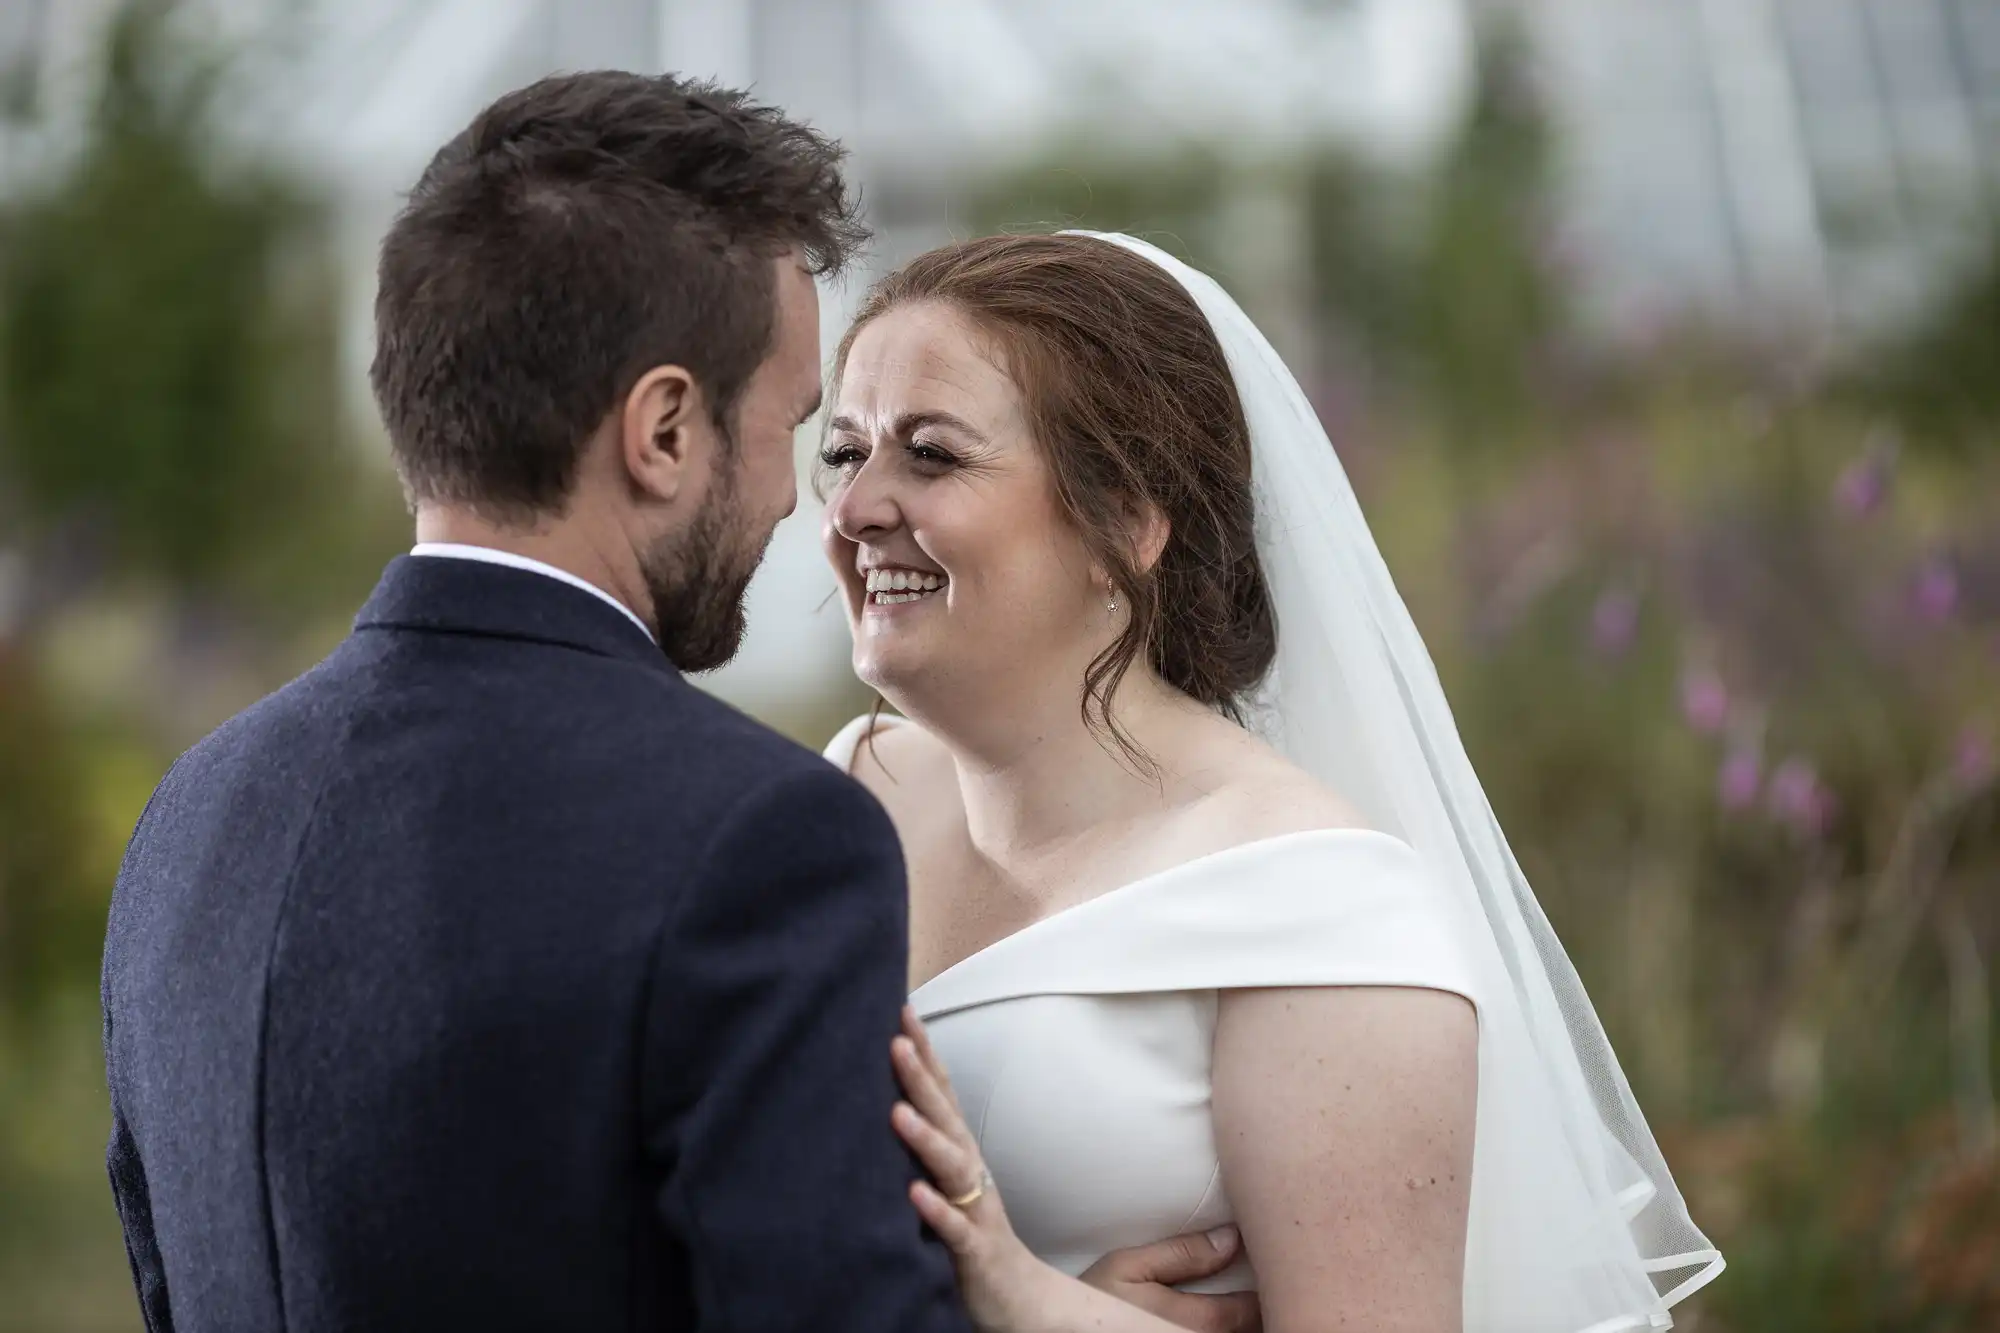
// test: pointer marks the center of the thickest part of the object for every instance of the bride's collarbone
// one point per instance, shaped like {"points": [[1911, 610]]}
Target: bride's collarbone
{"points": [[963, 903], [967, 891], [963, 900], [1269, 802]]}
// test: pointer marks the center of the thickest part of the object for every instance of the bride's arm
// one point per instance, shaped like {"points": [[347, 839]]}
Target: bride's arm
{"points": [[1344, 1124], [1006, 1288]]}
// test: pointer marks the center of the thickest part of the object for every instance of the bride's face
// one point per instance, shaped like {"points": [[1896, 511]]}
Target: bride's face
{"points": [[960, 573]]}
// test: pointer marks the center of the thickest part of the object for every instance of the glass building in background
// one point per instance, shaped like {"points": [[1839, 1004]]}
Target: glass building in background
{"points": [[1809, 170], [1790, 165]]}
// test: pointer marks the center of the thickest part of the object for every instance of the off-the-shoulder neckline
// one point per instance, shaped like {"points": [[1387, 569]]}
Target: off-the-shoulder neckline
{"points": [[1205, 861]]}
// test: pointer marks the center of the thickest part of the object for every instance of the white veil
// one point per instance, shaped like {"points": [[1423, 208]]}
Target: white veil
{"points": [[1575, 1221]]}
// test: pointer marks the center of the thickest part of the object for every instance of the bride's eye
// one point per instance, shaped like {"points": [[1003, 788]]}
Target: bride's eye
{"points": [[932, 456], [840, 457]]}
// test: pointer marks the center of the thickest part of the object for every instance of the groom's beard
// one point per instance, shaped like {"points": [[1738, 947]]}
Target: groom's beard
{"points": [[698, 579]]}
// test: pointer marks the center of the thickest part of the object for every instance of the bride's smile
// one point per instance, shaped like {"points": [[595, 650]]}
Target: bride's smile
{"points": [[897, 587]]}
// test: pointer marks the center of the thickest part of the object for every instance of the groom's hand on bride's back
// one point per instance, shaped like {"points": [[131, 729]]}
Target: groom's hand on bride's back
{"points": [[1145, 1276]]}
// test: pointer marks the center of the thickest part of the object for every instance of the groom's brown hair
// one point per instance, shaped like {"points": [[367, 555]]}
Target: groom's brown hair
{"points": [[579, 232]]}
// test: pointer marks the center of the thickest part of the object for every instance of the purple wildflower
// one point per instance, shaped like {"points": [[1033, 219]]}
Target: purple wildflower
{"points": [[1935, 591], [1704, 701], [1797, 797], [1862, 487], [1741, 776], [1864, 483], [1614, 622]]}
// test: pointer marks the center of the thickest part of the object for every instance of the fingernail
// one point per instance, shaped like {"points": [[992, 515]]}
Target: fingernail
{"points": [[1223, 1238]]}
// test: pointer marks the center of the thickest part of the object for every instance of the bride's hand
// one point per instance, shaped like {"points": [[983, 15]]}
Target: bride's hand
{"points": [[1000, 1279], [1006, 1289]]}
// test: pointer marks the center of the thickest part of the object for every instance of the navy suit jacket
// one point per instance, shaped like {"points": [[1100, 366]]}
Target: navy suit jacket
{"points": [[491, 976]]}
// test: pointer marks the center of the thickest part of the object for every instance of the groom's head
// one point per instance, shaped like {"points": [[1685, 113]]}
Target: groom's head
{"points": [[596, 326]]}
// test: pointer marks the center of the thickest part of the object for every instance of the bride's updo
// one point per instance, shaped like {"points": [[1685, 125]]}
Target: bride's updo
{"points": [[1127, 394]]}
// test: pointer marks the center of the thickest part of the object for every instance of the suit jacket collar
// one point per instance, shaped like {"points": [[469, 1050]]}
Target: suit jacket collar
{"points": [[474, 597]]}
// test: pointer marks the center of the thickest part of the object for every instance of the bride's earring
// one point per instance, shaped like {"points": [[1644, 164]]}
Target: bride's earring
{"points": [[1111, 604]]}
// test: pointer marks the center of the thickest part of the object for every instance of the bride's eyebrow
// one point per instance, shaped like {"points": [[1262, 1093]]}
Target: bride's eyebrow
{"points": [[909, 423]]}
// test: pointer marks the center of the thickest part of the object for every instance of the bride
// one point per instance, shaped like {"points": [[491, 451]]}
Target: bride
{"points": [[1210, 920]]}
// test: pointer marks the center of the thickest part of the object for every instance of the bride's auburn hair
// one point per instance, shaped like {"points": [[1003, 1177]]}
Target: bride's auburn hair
{"points": [[1127, 394]]}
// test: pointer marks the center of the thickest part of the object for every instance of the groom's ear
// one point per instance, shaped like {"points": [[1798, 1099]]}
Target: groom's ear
{"points": [[664, 430]]}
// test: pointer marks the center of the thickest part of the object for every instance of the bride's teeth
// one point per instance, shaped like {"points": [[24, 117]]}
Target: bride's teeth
{"points": [[885, 586]]}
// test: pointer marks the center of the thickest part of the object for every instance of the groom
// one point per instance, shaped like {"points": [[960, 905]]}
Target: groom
{"points": [[491, 976]]}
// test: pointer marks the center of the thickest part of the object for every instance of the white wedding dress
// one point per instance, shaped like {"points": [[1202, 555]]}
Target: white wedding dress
{"points": [[1080, 1045]]}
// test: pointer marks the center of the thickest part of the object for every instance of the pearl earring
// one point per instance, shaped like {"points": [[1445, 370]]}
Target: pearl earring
{"points": [[1111, 604]]}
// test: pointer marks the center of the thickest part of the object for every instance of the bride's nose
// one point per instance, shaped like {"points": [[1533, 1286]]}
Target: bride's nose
{"points": [[864, 508]]}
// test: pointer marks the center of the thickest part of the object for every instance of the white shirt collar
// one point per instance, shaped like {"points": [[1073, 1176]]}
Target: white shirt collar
{"points": [[487, 555]]}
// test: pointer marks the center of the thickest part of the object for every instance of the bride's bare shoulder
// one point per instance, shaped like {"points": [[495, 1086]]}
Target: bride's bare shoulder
{"points": [[908, 770], [1264, 794]]}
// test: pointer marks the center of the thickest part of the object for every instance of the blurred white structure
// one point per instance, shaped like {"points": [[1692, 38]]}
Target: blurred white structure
{"points": [[1786, 164], [921, 91], [1806, 163], [924, 92]]}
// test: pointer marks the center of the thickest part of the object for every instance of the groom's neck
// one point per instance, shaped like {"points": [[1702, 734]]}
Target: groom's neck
{"points": [[561, 543]]}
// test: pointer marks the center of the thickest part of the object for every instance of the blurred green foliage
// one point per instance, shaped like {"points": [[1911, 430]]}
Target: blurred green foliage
{"points": [[1944, 375], [1480, 308], [174, 463], [186, 518], [166, 347], [49, 908]]}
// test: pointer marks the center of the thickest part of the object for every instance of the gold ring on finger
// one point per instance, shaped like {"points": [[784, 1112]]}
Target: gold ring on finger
{"points": [[976, 1193]]}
